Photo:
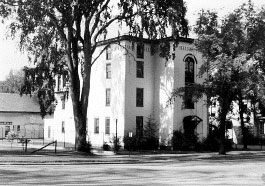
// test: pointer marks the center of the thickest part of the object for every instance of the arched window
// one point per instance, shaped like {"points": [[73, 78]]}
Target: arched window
{"points": [[189, 79], [189, 70]]}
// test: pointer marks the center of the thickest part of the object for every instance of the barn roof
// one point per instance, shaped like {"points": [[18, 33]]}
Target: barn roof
{"points": [[15, 103]]}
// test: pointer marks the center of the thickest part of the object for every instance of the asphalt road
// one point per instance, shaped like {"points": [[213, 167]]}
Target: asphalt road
{"points": [[243, 170]]}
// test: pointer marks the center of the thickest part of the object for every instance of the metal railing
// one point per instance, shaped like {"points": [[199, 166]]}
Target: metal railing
{"points": [[55, 147]]}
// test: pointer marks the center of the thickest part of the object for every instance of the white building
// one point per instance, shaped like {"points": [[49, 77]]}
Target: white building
{"points": [[128, 84]]}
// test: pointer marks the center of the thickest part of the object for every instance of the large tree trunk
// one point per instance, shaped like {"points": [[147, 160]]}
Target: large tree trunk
{"points": [[242, 124], [81, 143], [225, 103], [80, 105], [79, 95]]}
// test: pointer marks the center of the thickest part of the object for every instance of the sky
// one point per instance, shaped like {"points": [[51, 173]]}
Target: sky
{"points": [[12, 58]]}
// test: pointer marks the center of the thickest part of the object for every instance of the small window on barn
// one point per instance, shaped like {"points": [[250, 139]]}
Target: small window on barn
{"points": [[18, 128]]}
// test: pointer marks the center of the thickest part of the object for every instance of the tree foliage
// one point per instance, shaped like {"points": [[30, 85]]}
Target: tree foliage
{"points": [[233, 59], [13, 82], [65, 33]]}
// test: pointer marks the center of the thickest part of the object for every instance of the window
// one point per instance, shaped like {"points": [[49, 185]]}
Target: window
{"points": [[189, 70], [18, 128], [139, 126], [140, 51], [49, 131], [107, 126], [108, 97], [108, 70], [108, 53], [189, 79], [262, 128], [59, 83], [6, 123], [63, 102], [96, 123], [7, 130], [63, 127], [139, 97], [64, 80], [139, 69]]}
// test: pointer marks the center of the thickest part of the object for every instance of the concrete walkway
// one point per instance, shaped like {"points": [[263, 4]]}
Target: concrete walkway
{"points": [[15, 155], [63, 157]]}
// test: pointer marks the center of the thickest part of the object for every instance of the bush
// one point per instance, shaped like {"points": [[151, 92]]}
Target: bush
{"points": [[208, 144], [86, 147], [131, 143], [11, 136], [149, 140], [106, 146], [182, 142], [116, 143], [135, 143], [149, 143]]}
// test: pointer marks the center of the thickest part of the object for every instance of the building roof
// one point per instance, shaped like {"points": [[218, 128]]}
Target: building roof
{"points": [[16, 103], [137, 39]]}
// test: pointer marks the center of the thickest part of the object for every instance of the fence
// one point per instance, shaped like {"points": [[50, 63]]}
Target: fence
{"points": [[66, 138], [31, 133]]}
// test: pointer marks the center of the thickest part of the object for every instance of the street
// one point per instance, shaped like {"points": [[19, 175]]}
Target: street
{"points": [[160, 170]]}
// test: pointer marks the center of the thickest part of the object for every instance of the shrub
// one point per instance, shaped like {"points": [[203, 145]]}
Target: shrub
{"points": [[106, 146], [208, 144], [182, 142], [131, 143], [86, 147], [149, 140], [11, 136], [116, 143]]}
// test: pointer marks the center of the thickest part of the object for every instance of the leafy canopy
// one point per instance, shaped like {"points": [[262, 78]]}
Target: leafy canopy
{"points": [[62, 35]]}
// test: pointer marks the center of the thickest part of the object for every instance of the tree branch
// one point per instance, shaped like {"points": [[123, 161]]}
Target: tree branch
{"points": [[97, 19], [101, 52], [55, 21], [11, 3], [100, 31]]}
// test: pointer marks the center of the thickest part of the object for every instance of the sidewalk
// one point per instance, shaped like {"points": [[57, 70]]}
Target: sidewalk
{"points": [[62, 158], [16, 155]]}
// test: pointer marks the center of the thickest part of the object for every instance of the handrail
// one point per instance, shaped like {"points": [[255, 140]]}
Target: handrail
{"points": [[54, 142]]}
